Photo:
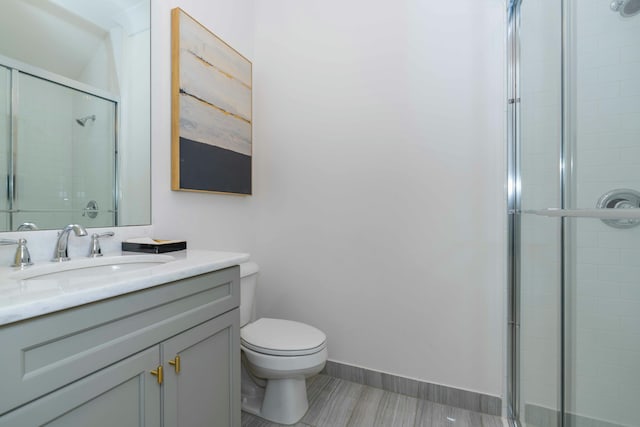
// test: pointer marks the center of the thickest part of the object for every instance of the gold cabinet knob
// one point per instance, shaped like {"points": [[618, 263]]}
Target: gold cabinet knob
{"points": [[175, 363], [158, 374]]}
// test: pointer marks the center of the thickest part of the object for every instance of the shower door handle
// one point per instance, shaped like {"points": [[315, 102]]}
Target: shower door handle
{"points": [[11, 187]]}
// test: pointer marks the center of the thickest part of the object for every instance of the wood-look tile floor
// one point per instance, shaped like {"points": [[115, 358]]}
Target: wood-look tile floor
{"points": [[334, 402]]}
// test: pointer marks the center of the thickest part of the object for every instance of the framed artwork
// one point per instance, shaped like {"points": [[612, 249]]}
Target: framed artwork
{"points": [[211, 129]]}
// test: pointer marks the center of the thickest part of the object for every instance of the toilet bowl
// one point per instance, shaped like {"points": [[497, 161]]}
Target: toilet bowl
{"points": [[277, 357]]}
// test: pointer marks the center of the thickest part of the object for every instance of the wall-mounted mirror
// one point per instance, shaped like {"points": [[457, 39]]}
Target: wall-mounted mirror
{"points": [[74, 113]]}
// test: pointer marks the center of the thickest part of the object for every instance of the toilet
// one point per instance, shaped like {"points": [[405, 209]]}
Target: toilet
{"points": [[277, 358]]}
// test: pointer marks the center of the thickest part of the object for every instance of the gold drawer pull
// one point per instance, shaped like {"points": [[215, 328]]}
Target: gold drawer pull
{"points": [[176, 363], [158, 373]]}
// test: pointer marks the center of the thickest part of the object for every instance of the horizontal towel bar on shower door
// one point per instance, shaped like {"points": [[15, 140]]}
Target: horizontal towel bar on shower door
{"points": [[58, 210], [587, 213]]}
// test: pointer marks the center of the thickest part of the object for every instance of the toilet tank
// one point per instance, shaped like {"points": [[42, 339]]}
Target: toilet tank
{"points": [[248, 282]]}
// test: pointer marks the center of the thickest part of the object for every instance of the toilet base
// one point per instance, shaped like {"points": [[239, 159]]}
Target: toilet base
{"points": [[285, 401], [282, 401]]}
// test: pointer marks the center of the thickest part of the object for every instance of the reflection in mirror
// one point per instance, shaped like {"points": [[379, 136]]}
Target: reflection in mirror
{"points": [[69, 135], [5, 136], [74, 113]]}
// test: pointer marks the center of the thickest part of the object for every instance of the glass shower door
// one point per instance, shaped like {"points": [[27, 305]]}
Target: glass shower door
{"points": [[66, 157], [602, 371], [577, 292], [602, 326], [539, 293]]}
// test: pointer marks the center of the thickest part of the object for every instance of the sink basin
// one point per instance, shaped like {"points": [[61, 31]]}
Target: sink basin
{"points": [[91, 267]]}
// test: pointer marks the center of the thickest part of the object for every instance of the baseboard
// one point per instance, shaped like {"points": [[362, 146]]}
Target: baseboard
{"points": [[437, 393]]}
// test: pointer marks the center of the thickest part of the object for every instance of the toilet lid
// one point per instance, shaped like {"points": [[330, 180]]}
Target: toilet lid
{"points": [[282, 337]]}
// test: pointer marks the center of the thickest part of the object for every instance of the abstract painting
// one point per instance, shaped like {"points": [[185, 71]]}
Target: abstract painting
{"points": [[211, 130]]}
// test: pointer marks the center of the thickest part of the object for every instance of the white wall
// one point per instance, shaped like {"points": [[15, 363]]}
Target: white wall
{"points": [[379, 130], [378, 212], [221, 222]]}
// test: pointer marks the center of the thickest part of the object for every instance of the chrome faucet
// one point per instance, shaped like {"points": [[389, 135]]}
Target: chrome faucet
{"points": [[61, 253]]}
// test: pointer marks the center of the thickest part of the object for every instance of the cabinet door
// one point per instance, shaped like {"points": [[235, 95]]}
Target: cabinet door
{"points": [[122, 395], [206, 390]]}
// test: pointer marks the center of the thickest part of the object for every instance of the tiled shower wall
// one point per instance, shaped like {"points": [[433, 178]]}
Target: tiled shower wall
{"points": [[92, 154], [604, 381]]}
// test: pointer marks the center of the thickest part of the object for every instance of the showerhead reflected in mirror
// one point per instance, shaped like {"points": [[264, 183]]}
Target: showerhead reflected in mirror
{"points": [[626, 8], [83, 121], [75, 120]]}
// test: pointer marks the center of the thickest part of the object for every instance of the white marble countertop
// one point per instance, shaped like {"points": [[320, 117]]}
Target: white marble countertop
{"points": [[23, 299]]}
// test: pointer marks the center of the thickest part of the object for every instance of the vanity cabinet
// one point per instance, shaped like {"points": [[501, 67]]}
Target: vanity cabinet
{"points": [[165, 356], [119, 395], [204, 391]]}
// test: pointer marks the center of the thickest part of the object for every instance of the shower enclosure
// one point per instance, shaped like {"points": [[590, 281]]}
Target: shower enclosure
{"points": [[58, 150], [574, 212]]}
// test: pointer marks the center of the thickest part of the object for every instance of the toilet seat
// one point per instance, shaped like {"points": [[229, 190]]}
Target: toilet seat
{"points": [[278, 337]]}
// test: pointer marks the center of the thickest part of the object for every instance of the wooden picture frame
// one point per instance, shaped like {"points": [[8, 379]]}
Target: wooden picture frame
{"points": [[211, 111]]}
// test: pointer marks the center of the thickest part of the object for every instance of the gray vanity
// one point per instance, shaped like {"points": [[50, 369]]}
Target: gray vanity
{"points": [[155, 346]]}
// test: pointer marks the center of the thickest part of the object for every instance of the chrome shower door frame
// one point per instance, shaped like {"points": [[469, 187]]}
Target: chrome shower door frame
{"points": [[566, 171], [514, 206], [513, 210]]}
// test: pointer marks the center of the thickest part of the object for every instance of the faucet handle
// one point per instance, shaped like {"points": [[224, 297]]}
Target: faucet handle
{"points": [[95, 250], [22, 257]]}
